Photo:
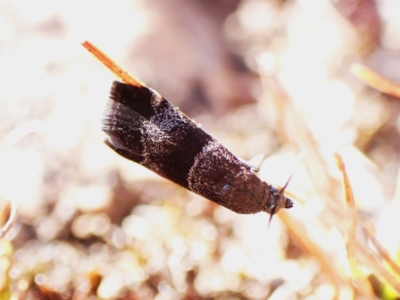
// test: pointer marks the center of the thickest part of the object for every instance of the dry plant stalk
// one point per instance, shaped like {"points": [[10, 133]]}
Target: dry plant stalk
{"points": [[10, 208], [351, 220], [112, 65], [307, 245], [375, 80], [9, 211], [318, 170], [282, 101], [370, 232], [375, 263], [290, 124], [383, 85]]}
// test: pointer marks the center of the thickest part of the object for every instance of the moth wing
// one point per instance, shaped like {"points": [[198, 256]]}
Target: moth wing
{"points": [[122, 125], [144, 127]]}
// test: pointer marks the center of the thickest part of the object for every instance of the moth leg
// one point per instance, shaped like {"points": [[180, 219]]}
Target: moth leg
{"points": [[254, 163]]}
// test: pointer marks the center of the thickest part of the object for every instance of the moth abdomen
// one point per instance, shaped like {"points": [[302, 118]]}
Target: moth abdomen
{"points": [[221, 177]]}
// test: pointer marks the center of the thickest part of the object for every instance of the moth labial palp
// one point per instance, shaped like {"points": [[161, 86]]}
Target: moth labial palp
{"points": [[144, 127]]}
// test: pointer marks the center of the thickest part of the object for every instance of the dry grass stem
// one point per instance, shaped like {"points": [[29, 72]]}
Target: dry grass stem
{"points": [[351, 220], [375, 263], [375, 80], [112, 65], [305, 242], [370, 232]]}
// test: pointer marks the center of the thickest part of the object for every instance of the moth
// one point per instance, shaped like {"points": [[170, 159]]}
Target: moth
{"points": [[144, 127]]}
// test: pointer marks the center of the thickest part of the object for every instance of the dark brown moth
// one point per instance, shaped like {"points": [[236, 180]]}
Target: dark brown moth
{"points": [[144, 127]]}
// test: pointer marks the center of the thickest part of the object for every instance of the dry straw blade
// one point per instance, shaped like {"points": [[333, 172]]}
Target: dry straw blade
{"points": [[369, 230], [351, 219], [9, 209], [112, 65], [297, 230], [289, 124], [375, 80], [325, 187]]}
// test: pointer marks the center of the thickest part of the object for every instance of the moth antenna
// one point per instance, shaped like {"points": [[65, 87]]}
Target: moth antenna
{"points": [[282, 190], [272, 214]]}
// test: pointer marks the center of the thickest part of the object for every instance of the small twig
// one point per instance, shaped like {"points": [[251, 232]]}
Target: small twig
{"points": [[112, 65]]}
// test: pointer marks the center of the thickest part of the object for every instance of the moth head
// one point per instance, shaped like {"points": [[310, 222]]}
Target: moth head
{"points": [[277, 200]]}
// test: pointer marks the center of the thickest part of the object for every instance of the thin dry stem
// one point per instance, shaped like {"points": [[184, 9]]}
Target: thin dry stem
{"points": [[11, 220], [397, 190], [21, 131], [292, 124], [370, 232], [112, 65], [351, 217], [7, 142], [375, 80], [375, 264], [300, 234]]}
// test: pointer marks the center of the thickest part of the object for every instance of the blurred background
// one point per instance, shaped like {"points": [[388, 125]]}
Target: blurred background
{"points": [[266, 77]]}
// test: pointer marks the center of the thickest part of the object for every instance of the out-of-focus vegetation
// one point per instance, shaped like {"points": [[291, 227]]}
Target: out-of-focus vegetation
{"points": [[263, 76]]}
